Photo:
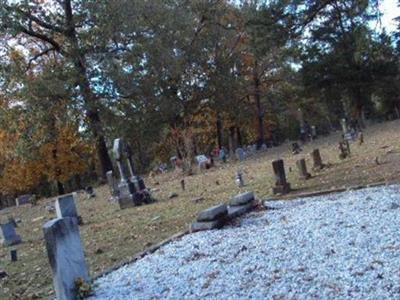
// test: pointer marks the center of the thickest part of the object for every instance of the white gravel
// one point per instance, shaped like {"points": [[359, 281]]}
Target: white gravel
{"points": [[342, 246]]}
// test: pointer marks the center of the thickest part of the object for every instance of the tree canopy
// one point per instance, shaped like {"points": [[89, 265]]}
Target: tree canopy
{"points": [[179, 78]]}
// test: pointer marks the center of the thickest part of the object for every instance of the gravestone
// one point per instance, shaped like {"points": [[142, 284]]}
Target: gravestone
{"points": [[211, 218], [8, 235], [313, 132], [240, 204], [24, 199], [126, 188], [281, 185], [239, 179], [343, 150], [65, 207], [173, 161], [13, 255], [360, 138], [317, 160], [202, 161], [135, 179], [302, 167], [112, 184], [343, 123], [66, 257], [296, 149], [239, 152]]}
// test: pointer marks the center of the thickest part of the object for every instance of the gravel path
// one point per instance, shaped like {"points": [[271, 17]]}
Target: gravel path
{"points": [[342, 246]]}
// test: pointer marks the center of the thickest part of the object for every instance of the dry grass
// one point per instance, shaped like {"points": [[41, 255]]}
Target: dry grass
{"points": [[111, 235]]}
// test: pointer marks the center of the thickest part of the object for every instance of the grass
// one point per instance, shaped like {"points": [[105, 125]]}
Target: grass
{"points": [[111, 235]]}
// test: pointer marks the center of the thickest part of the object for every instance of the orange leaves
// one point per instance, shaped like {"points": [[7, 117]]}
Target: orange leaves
{"points": [[63, 157]]}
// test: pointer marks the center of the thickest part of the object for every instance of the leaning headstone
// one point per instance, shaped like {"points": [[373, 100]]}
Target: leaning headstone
{"points": [[211, 218], [239, 152], [8, 235], [317, 160], [302, 167], [66, 257], [112, 184], [24, 199], [281, 185], [65, 207], [126, 188]]}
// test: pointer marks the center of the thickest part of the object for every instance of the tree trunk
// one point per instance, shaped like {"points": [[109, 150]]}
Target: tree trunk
{"points": [[60, 188], [239, 137], [219, 131], [260, 113], [232, 144], [89, 98]]}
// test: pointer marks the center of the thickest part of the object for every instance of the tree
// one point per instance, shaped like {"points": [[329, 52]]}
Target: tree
{"points": [[61, 29]]}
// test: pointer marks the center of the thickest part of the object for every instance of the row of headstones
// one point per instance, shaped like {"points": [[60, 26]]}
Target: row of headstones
{"points": [[216, 216], [281, 185], [64, 207]]}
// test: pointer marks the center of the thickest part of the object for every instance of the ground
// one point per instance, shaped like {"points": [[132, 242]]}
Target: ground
{"points": [[111, 235], [336, 246]]}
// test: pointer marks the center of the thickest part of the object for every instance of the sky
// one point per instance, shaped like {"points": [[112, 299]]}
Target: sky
{"points": [[390, 10]]}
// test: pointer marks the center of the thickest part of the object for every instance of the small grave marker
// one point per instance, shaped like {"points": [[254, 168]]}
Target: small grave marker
{"points": [[317, 160], [302, 167], [8, 235], [281, 185]]}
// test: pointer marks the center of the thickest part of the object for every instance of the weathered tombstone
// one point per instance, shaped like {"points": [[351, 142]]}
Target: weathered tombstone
{"points": [[24, 199], [126, 188], [281, 185], [296, 149], [313, 132], [202, 161], [135, 179], [112, 184], [343, 123], [240, 204], [90, 192], [239, 152], [342, 151], [66, 257], [317, 160], [239, 179], [8, 235], [13, 255], [173, 161], [211, 218], [360, 138], [65, 207], [302, 167]]}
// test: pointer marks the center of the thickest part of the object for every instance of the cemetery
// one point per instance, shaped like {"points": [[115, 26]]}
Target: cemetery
{"points": [[206, 149], [110, 235]]}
